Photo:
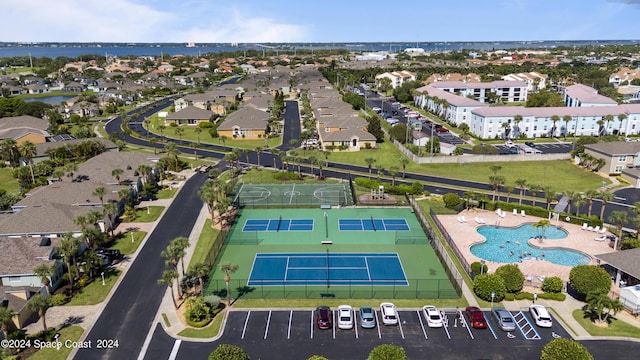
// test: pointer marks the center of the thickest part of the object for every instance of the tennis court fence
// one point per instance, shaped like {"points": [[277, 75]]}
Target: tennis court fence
{"points": [[417, 289]]}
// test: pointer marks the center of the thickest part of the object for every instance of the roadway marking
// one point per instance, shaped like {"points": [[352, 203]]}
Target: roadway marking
{"points": [[463, 323], [445, 323], [375, 312], [289, 329], [333, 316], [147, 341], [244, 328], [312, 324], [400, 324], [355, 322], [174, 351], [495, 336], [421, 324], [266, 329]]}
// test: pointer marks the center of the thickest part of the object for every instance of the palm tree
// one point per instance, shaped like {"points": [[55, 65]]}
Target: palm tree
{"points": [[172, 255], [198, 130], [590, 195], [601, 128], [495, 169], [313, 161], [110, 209], [326, 157], [68, 248], [70, 168], [542, 225], [44, 272], [27, 151], [570, 195], [58, 174], [403, 162], [370, 161], [167, 279], [40, 304], [223, 140], [554, 119], [496, 182], [608, 118], [618, 218], [6, 320], [100, 192], [179, 131], [549, 194], [153, 142], [200, 270], [209, 194], [181, 243], [116, 174], [173, 152], [605, 196], [508, 189], [393, 171], [507, 127], [600, 302], [521, 183], [566, 119], [534, 188], [228, 268], [517, 119], [622, 117], [258, 150], [578, 200], [380, 170], [9, 152], [274, 155], [161, 128]]}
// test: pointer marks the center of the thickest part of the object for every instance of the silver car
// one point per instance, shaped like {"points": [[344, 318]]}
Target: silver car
{"points": [[504, 319]]}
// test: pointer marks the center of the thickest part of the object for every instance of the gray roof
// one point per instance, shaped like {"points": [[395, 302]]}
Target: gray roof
{"points": [[43, 147], [615, 148], [625, 260], [587, 94], [24, 121], [245, 118], [17, 133], [99, 168], [191, 113], [21, 255], [347, 135]]}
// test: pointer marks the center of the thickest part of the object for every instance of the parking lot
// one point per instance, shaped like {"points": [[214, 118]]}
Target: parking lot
{"points": [[298, 326]]}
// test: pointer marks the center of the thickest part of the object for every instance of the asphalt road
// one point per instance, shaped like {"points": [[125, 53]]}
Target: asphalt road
{"points": [[129, 314], [291, 130]]}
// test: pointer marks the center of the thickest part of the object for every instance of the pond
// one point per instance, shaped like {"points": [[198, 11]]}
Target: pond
{"points": [[52, 100]]}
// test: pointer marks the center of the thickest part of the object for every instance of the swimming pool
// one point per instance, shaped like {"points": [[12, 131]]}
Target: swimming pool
{"points": [[507, 245]]}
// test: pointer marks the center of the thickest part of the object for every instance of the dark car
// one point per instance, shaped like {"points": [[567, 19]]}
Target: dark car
{"points": [[147, 197], [323, 319], [476, 317], [530, 144], [112, 255]]}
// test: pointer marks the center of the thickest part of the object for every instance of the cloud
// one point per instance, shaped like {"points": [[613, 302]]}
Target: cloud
{"points": [[151, 21]]}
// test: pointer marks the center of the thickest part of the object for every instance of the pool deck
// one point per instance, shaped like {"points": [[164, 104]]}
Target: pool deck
{"points": [[465, 234]]}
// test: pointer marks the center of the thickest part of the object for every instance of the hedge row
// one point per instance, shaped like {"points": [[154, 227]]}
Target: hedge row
{"points": [[529, 296], [541, 211], [415, 189]]}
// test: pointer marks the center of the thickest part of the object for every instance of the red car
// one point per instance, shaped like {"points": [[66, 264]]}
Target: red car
{"points": [[442, 130], [476, 317], [323, 319]]}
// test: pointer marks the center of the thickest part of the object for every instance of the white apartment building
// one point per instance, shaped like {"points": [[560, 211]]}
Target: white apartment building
{"points": [[582, 95], [457, 109], [535, 81], [397, 77], [508, 91]]}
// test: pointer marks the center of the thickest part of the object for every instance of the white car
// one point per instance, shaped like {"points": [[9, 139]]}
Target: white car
{"points": [[388, 313], [540, 315], [431, 313], [509, 144], [345, 317]]}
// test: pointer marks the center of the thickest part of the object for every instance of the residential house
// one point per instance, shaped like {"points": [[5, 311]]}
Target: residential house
{"points": [[351, 139], [620, 158], [245, 123], [16, 299], [624, 76], [397, 77], [190, 115], [24, 128], [74, 87], [534, 80]]}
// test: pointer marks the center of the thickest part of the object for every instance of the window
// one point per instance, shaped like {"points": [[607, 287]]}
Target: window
{"points": [[622, 158], [618, 169], [354, 142]]}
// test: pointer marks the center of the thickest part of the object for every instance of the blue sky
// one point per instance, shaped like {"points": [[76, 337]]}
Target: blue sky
{"points": [[317, 21]]}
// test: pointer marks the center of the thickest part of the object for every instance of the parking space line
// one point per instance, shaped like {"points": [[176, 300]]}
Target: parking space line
{"points": [[463, 323], [495, 336], [266, 329], [526, 327], [289, 329], [445, 323], [375, 312], [244, 328], [333, 316], [312, 324], [174, 350], [355, 322], [421, 324], [400, 324]]}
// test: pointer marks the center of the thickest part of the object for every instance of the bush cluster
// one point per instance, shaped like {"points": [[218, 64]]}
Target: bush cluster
{"points": [[476, 267], [589, 278], [485, 284], [552, 284], [512, 276], [285, 175], [415, 189]]}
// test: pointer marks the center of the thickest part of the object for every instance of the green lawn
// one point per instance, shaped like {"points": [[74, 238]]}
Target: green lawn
{"points": [[125, 245], [265, 176], [147, 214], [71, 333], [207, 236], [207, 332], [167, 193], [616, 328], [7, 181], [95, 292], [312, 303], [437, 207]]}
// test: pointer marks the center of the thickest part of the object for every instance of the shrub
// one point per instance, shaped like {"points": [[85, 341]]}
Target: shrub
{"points": [[589, 278], [59, 299], [565, 349], [213, 132], [387, 352], [317, 357], [228, 352], [630, 243], [198, 324], [552, 296], [213, 300], [477, 268], [451, 200], [206, 125], [285, 175], [512, 276], [485, 284], [367, 183], [552, 284], [418, 189], [509, 297]]}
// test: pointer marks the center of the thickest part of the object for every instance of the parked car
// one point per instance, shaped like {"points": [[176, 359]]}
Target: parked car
{"points": [[540, 315], [442, 130], [147, 197], [504, 319], [388, 313], [376, 109], [345, 317], [431, 313], [113, 255], [509, 144], [476, 317], [530, 144], [367, 317], [323, 317]]}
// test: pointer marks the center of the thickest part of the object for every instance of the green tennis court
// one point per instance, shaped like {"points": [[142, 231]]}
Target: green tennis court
{"points": [[292, 195], [425, 275]]}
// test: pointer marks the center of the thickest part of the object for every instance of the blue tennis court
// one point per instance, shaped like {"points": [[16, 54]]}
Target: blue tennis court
{"points": [[325, 269], [278, 225], [372, 224]]}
